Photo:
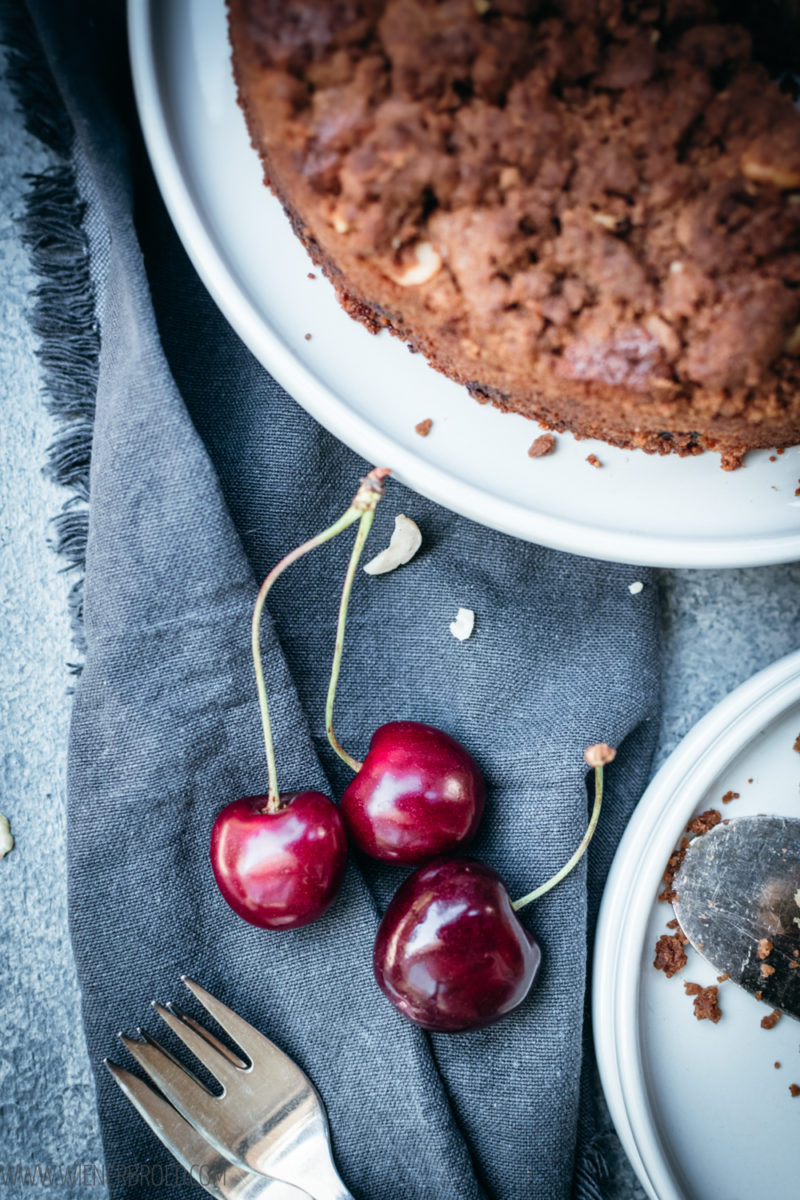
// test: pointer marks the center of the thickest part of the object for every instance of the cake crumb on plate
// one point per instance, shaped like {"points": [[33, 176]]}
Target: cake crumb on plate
{"points": [[423, 428], [543, 445]]}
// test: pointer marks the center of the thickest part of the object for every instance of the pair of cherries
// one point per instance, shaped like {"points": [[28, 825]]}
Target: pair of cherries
{"points": [[450, 952]]}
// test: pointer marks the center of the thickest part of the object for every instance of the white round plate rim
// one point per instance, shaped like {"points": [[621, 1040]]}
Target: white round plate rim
{"points": [[423, 476], [633, 880]]}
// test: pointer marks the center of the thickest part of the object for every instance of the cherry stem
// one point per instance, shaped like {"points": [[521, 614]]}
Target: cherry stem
{"points": [[578, 855], [363, 529], [364, 503]]}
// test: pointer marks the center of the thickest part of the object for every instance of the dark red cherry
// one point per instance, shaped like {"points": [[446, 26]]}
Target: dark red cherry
{"points": [[418, 794], [451, 953], [279, 869]]}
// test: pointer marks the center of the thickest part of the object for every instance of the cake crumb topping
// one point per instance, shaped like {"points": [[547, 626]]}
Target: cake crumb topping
{"points": [[543, 445]]}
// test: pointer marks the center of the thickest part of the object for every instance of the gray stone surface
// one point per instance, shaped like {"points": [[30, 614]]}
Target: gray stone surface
{"points": [[719, 627], [46, 1095]]}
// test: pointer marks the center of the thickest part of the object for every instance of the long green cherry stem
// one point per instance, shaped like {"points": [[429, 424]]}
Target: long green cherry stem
{"points": [[363, 529], [364, 504], [596, 756]]}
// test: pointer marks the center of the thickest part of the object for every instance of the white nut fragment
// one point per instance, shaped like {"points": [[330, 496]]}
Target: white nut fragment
{"points": [[636, 587], [463, 625], [403, 545], [339, 223], [6, 837], [426, 263]]}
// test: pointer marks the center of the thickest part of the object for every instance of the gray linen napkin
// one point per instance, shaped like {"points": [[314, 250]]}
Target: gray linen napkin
{"points": [[203, 473]]}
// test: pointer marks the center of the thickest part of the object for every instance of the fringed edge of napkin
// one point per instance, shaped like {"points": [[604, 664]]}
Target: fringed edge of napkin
{"points": [[63, 317]]}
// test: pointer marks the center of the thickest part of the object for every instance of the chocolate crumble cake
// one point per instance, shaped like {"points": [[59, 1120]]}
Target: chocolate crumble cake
{"points": [[588, 212]]}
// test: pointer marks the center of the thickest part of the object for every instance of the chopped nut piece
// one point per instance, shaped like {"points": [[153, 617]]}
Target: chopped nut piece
{"points": [[404, 544], [764, 949], [771, 1019], [670, 955], [6, 837], [426, 263], [423, 428], [543, 445], [635, 587], [762, 168], [463, 625]]}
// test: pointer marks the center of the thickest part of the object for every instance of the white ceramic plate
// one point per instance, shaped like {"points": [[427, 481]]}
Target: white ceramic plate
{"points": [[370, 391], [700, 1108]]}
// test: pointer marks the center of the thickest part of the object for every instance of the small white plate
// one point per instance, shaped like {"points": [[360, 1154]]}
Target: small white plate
{"points": [[700, 1108], [371, 392]]}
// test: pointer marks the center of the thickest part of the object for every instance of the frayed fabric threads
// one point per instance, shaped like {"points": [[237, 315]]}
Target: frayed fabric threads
{"points": [[64, 317]]}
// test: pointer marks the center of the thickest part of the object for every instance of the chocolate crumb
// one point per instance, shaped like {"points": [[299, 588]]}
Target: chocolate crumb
{"points": [[670, 871], [670, 955], [543, 445], [308, 337], [771, 1019], [777, 1066], [767, 970], [780, 451], [764, 949], [749, 781], [794, 1089], [796, 745], [726, 799], [594, 461], [423, 428], [758, 995], [773, 458], [706, 1007], [311, 275], [704, 822], [726, 821], [723, 978]]}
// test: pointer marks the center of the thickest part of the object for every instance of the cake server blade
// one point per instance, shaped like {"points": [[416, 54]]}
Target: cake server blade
{"points": [[738, 902]]}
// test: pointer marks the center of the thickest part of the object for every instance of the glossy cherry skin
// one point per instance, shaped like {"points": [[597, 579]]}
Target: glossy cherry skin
{"points": [[279, 870], [418, 794], [451, 953]]}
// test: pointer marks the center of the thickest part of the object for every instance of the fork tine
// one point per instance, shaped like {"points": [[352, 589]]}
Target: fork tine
{"points": [[254, 1044], [195, 1039], [180, 1087], [208, 1035], [191, 1150]]}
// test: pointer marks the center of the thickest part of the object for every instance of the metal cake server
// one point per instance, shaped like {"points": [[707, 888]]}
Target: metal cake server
{"points": [[738, 902]]}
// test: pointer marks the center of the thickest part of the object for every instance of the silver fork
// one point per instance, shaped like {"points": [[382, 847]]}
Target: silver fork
{"points": [[200, 1160], [269, 1117]]}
